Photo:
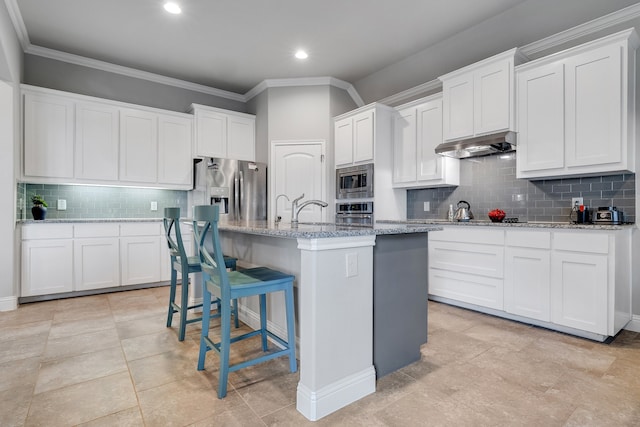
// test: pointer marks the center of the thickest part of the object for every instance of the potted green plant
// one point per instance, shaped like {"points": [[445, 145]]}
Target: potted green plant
{"points": [[39, 209]]}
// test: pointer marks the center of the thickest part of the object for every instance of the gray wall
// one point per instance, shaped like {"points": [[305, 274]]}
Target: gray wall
{"points": [[521, 23], [490, 182], [53, 74], [259, 105]]}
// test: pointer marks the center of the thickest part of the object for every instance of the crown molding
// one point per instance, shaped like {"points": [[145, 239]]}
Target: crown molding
{"points": [[602, 23], [130, 72], [413, 92], [18, 23], [305, 81]]}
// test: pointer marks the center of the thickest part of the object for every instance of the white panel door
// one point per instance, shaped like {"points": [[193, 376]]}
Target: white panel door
{"points": [[140, 259], [541, 124], [363, 136], [47, 266], [492, 98], [579, 291], [96, 263], [241, 138], [429, 135], [458, 107], [48, 136], [527, 282], [138, 146], [211, 134], [297, 168], [404, 146], [175, 164], [97, 141], [594, 107], [343, 142]]}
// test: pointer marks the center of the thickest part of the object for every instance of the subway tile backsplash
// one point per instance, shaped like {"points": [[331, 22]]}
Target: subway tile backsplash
{"points": [[490, 182], [84, 202]]}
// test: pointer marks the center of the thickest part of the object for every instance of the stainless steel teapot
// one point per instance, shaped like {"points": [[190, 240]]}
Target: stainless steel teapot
{"points": [[463, 214]]}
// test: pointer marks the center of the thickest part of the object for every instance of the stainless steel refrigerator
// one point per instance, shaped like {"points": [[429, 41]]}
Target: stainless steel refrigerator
{"points": [[239, 187]]}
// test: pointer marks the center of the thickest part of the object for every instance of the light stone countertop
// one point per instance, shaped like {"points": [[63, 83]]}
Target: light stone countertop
{"points": [[482, 223], [87, 220]]}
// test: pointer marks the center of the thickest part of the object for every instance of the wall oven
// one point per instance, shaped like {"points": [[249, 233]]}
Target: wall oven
{"points": [[358, 214], [354, 182]]}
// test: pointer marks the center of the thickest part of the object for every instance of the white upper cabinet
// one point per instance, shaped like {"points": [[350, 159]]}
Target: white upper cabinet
{"points": [[356, 135], [224, 133], [576, 110], [479, 99], [175, 165], [138, 146], [77, 139], [417, 131], [97, 141], [48, 136]]}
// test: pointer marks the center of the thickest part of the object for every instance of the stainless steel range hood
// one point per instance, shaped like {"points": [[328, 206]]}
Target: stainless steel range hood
{"points": [[479, 146]]}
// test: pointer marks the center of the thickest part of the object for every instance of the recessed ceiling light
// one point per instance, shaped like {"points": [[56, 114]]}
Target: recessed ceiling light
{"points": [[172, 8], [301, 54]]}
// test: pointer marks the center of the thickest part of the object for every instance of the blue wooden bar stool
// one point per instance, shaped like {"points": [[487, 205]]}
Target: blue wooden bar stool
{"points": [[184, 264], [235, 284]]}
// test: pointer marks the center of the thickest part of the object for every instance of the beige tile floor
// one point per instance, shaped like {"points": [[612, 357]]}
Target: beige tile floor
{"points": [[109, 360]]}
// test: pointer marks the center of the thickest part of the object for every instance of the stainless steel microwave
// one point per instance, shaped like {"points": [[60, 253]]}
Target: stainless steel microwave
{"points": [[354, 182]]}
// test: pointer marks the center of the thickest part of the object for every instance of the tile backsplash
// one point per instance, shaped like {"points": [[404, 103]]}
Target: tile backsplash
{"points": [[99, 202], [490, 182]]}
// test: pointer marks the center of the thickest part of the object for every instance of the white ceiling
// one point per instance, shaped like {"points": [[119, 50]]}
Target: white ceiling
{"points": [[235, 44]]}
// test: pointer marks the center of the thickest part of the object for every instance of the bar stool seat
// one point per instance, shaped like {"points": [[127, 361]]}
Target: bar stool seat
{"points": [[185, 265], [226, 286]]}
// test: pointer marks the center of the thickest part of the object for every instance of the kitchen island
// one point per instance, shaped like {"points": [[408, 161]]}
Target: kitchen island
{"points": [[361, 298]]}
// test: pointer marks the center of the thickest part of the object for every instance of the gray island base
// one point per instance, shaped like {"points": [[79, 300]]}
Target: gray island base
{"points": [[361, 301]]}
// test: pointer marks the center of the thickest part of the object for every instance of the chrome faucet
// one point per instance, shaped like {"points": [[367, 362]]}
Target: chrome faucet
{"points": [[278, 217], [294, 207], [294, 220]]}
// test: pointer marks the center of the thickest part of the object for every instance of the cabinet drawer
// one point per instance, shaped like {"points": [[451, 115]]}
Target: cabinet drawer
{"points": [[96, 230], [469, 288], [140, 229], [592, 242], [469, 234], [481, 260], [47, 231], [529, 239]]}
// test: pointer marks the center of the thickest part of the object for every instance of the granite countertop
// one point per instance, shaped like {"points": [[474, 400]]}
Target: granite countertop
{"points": [[325, 230], [87, 220], [481, 223]]}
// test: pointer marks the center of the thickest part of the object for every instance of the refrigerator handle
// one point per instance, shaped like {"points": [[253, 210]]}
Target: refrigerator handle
{"points": [[236, 198], [241, 198]]}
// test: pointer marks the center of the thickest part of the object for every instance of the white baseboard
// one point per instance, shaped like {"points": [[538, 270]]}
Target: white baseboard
{"points": [[317, 404], [634, 324], [8, 303]]}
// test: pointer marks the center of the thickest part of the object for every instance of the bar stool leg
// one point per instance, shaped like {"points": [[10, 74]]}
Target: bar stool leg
{"points": [[291, 332], [172, 293], [263, 320], [206, 314], [184, 304], [225, 343]]}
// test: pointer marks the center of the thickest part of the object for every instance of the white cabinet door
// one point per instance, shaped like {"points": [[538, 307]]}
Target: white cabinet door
{"points": [[344, 142], [138, 146], [430, 166], [47, 266], [97, 141], [594, 107], [140, 259], [527, 282], [96, 263], [363, 136], [211, 134], [579, 284], [404, 146], [492, 97], [458, 107], [540, 119], [241, 138], [48, 136], [175, 164]]}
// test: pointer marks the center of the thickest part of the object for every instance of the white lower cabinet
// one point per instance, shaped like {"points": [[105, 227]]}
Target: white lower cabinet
{"points": [[527, 274], [575, 281], [58, 258], [140, 253]]}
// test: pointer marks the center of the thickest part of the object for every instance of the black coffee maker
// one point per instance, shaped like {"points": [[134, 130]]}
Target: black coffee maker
{"points": [[581, 215]]}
